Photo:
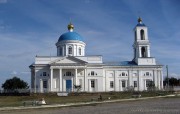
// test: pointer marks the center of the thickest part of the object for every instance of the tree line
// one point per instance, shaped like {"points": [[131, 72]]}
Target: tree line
{"points": [[172, 81]]}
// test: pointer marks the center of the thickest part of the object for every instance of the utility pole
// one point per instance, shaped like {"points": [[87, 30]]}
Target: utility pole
{"points": [[167, 77]]}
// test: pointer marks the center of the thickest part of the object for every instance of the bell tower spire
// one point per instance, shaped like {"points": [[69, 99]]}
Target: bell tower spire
{"points": [[142, 55]]}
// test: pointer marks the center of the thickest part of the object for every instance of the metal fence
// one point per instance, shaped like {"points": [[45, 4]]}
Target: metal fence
{"points": [[16, 92]]}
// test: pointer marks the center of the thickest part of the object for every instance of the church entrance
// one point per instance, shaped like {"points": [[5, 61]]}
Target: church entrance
{"points": [[68, 85]]}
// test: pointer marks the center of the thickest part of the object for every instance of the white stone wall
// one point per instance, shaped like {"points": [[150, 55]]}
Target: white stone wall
{"points": [[146, 61], [137, 29], [102, 79]]}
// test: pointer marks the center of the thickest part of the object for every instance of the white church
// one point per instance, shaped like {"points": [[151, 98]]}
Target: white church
{"points": [[71, 67]]}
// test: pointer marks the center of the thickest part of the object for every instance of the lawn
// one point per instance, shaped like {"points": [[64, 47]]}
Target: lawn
{"points": [[52, 98]]}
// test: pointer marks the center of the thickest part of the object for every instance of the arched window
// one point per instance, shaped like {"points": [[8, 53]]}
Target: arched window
{"points": [[79, 51], [143, 52], [142, 35], [70, 50], [60, 51], [123, 74]]}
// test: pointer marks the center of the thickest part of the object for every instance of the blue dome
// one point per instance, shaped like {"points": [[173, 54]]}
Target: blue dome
{"points": [[141, 24], [70, 36]]}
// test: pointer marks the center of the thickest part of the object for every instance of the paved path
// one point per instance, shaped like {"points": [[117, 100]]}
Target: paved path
{"points": [[149, 106]]}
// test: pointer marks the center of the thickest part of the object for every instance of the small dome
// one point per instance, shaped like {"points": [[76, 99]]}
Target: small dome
{"points": [[70, 36], [140, 23]]}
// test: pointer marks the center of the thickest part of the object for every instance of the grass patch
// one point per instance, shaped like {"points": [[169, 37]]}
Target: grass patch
{"points": [[52, 98]]}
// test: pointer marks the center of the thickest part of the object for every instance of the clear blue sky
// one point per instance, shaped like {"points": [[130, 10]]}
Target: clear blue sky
{"points": [[32, 27]]}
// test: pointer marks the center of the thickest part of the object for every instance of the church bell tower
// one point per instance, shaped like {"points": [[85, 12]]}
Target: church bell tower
{"points": [[142, 55]]}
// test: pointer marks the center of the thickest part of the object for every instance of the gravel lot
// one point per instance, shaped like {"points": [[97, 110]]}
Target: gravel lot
{"points": [[150, 106]]}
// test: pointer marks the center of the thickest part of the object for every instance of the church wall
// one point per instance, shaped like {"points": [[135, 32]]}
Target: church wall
{"points": [[97, 75], [98, 84], [103, 78], [146, 61], [44, 60], [91, 59], [39, 77], [55, 83], [80, 81], [32, 78], [141, 75], [97, 71]]}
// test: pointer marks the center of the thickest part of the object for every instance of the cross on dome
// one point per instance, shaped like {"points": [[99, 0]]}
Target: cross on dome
{"points": [[70, 27], [139, 20]]}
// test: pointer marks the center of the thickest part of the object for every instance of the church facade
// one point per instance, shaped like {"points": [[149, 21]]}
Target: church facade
{"points": [[71, 67]]}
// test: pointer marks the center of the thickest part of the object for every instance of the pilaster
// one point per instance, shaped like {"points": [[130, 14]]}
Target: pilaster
{"points": [[51, 79], [139, 80], [85, 79], [75, 80], [130, 78], [60, 79]]}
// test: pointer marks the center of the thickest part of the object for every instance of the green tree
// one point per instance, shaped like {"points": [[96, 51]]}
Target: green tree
{"points": [[172, 81], [151, 86], [77, 88], [178, 82], [14, 83]]}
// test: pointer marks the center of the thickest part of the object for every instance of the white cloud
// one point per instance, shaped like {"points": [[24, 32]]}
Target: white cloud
{"points": [[25, 72], [173, 75], [14, 73]]}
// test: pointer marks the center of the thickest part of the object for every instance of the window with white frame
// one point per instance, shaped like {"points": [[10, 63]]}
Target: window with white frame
{"points": [[44, 83], [79, 51], [142, 34], [70, 50], [147, 74], [68, 73], [123, 74], [92, 73], [123, 83], [92, 83], [135, 83], [149, 83], [111, 84], [44, 74], [60, 51]]}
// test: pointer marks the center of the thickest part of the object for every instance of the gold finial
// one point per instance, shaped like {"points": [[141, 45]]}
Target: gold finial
{"points": [[139, 20], [70, 27]]}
